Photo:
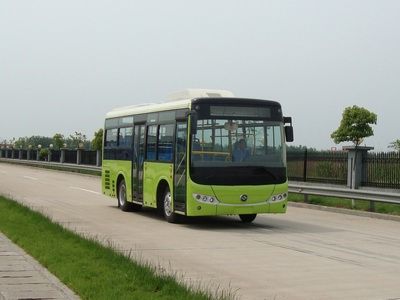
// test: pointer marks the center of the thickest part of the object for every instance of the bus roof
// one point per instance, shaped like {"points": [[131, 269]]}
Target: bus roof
{"points": [[177, 100]]}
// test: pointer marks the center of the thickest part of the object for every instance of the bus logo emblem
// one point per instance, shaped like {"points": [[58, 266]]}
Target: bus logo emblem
{"points": [[243, 197]]}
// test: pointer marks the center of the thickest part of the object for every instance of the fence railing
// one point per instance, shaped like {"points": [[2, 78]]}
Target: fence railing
{"points": [[382, 170], [325, 167], [70, 156], [55, 156], [88, 157]]}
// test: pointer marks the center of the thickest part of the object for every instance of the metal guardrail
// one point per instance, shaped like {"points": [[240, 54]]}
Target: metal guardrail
{"points": [[376, 196], [294, 187], [53, 165]]}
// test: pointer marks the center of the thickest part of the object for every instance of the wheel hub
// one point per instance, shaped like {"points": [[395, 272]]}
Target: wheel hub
{"points": [[167, 205]]}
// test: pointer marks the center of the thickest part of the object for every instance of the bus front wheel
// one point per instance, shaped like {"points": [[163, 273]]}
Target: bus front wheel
{"points": [[247, 218], [168, 211], [123, 204]]}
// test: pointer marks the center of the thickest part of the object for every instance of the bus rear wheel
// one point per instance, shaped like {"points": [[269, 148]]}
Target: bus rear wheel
{"points": [[247, 218], [167, 208]]}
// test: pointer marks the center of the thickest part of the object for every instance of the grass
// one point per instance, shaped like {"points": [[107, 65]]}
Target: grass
{"points": [[88, 268], [364, 205]]}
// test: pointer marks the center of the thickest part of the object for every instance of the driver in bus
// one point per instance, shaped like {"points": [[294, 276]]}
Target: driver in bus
{"points": [[241, 152]]}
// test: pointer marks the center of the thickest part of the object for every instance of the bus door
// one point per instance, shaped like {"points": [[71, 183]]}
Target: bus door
{"points": [[137, 163], [180, 167]]}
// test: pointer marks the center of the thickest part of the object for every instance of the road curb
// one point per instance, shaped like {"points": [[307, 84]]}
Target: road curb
{"points": [[346, 211]]}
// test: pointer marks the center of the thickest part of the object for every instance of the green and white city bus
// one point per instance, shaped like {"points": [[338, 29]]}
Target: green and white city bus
{"points": [[202, 153]]}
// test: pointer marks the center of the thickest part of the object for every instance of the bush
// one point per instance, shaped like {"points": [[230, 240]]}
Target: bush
{"points": [[44, 153]]}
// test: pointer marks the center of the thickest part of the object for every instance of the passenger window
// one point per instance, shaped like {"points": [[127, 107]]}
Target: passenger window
{"points": [[125, 137], [165, 142], [111, 138], [151, 142]]}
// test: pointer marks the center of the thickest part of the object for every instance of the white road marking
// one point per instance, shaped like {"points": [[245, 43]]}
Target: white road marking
{"points": [[31, 178], [85, 190]]}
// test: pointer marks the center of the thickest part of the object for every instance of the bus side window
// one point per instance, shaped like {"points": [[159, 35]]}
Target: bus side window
{"points": [[165, 142], [151, 142], [125, 138], [111, 137], [110, 143]]}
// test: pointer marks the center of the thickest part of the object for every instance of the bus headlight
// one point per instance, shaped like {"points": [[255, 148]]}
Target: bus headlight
{"points": [[205, 198], [278, 198]]}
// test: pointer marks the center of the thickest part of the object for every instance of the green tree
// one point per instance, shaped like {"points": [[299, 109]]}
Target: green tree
{"points": [[20, 142], [37, 140], [97, 142], [58, 140], [395, 145], [354, 126], [34, 141], [77, 140]]}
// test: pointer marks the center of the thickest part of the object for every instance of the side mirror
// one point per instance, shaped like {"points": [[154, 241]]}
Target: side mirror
{"points": [[289, 133], [193, 121], [287, 120], [288, 129]]}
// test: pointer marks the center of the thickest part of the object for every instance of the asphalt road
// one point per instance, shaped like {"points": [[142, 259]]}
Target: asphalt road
{"points": [[304, 254]]}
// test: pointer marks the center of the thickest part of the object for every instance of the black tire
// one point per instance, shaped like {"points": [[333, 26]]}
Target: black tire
{"points": [[123, 204], [167, 208], [247, 218]]}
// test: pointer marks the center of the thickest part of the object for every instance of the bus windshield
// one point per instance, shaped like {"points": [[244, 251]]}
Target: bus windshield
{"points": [[253, 148]]}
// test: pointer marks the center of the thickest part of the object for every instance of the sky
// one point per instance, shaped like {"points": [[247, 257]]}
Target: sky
{"points": [[65, 64]]}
